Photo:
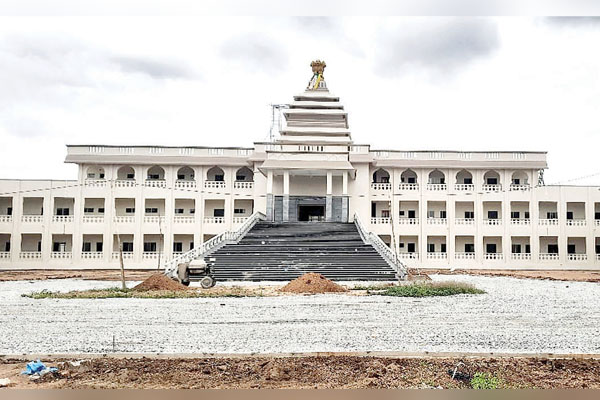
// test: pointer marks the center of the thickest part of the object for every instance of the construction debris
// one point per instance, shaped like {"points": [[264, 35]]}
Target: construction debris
{"points": [[4, 382], [159, 281], [312, 283]]}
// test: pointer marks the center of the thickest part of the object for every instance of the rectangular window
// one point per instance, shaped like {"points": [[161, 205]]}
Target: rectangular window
{"points": [[191, 245], [62, 211], [385, 179], [179, 211], [240, 177], [87, 247], [410, 247], [130, 176], [9, 211], [526, 214], [180, 177], [88, 210], [412, 179], [7, 246], [239, 211], [515, 215], [492, 181], [59, 246], [569, 214], [151, 210], [127, 246], [177, 247], [490, 248], [149, 247], [468, 181], [516, 248], [516, 181], [443, 247], [192, 211], [99, 247], [528, 249], [412, 214], [553, 249], [385, 213], [552, 215], [101, 175], [469, 248], [596, 215], [153, 176], [100, 210], [571, 249], [430, 214], [220, 178], [130, 210], [91, 175], [401, 213], [469, 214], [431, 247], [402, 245], [218, 212], [443, 214], [492, 214]]}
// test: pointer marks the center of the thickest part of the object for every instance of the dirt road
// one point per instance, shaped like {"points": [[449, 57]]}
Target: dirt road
{"points": [[310, 372]]}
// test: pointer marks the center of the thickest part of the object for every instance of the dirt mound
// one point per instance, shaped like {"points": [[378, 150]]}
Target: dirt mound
{"points": [[159, 281], [312, 283]]}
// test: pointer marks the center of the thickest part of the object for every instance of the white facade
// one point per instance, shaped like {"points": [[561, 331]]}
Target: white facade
{"points": [[437, 209]]}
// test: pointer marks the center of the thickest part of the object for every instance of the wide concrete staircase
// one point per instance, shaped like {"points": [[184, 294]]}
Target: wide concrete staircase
{"points": [[283, 251]]}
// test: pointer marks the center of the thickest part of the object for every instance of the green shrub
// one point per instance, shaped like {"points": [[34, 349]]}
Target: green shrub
{"points": [[485, 380], [426, 289], [112, 293]]}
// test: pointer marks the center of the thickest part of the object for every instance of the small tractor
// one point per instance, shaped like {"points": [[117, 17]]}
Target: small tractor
{"points": [[197, 270]]}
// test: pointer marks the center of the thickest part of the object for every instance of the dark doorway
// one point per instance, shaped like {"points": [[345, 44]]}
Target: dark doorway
{"points": [[311, 213]]}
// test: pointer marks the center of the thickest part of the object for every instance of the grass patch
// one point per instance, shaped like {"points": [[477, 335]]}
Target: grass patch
{"points": [[113, 293], [426, 289], [484, 380], [372, 287]]}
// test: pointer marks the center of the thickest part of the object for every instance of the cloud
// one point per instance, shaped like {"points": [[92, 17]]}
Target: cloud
{"points": [[153, 68], [438, 45], [256, 52]]}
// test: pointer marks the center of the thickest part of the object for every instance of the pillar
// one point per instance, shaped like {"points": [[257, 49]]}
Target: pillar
{"points": [[286, 196], [270, 214], [329, 198]]}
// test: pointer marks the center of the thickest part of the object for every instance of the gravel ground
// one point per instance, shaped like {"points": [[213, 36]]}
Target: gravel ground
{"points": [[515, 316]]}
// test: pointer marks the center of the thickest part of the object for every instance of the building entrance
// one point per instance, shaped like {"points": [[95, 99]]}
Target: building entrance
{"points": [[311, 213]]}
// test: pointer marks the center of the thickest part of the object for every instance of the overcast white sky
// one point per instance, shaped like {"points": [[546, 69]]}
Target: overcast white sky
{"points": [[408, 83]]}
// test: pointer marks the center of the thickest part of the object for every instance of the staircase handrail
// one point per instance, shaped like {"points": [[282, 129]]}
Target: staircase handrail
{"points": [[383, 249], [170, 267]]}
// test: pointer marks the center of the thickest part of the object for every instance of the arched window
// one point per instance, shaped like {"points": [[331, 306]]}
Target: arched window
{"points": [[408, 176], [520, 178], [156, 173], [125, 173], [215, 174], [464, 177], [437, 177], [491, 178], [244, 174], [185, 174], [95, 172], [381, 176]]}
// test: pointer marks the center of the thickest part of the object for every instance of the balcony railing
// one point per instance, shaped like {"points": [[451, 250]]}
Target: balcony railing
{"points": [[124, 219], [5, 218], [547, 222], [243, 185], [464, 221], [548, 256], [184, 219], [127, 255], [184, 183], [493, 256], [214, 184], [576, 222], [157, 183], [577, 257], [381, 185], [437, 255], [437, 186], [464, 256], [464, 187], [95, 182], [214, 220], [520, 221], [513, 187], [61, 255], [30, 255], [93, 219], [125, 183], [380, 220], [521, 256], [408, 186], [437, 221], [62, 218], [154, 219], [409, 256], [151, 255], [239, 220], [491, 188], [4, 255], [493, 221], [92, 255], [32, 218], [408, 221]]}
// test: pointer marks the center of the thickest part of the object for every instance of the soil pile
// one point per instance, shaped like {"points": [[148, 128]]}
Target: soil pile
{"points": [[159, 281], [312, 283]]}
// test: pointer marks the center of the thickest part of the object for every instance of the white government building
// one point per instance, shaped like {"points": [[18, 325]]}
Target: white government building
{"points": [[435, 209]]}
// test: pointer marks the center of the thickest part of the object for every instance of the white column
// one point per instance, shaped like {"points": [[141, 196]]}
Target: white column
{"points": [[269, 182], [286, 183], [329, 183], [345, 183]]}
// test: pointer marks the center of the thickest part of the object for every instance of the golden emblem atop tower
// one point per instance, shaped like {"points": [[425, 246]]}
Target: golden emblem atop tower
{"points": [[317, 81]]}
